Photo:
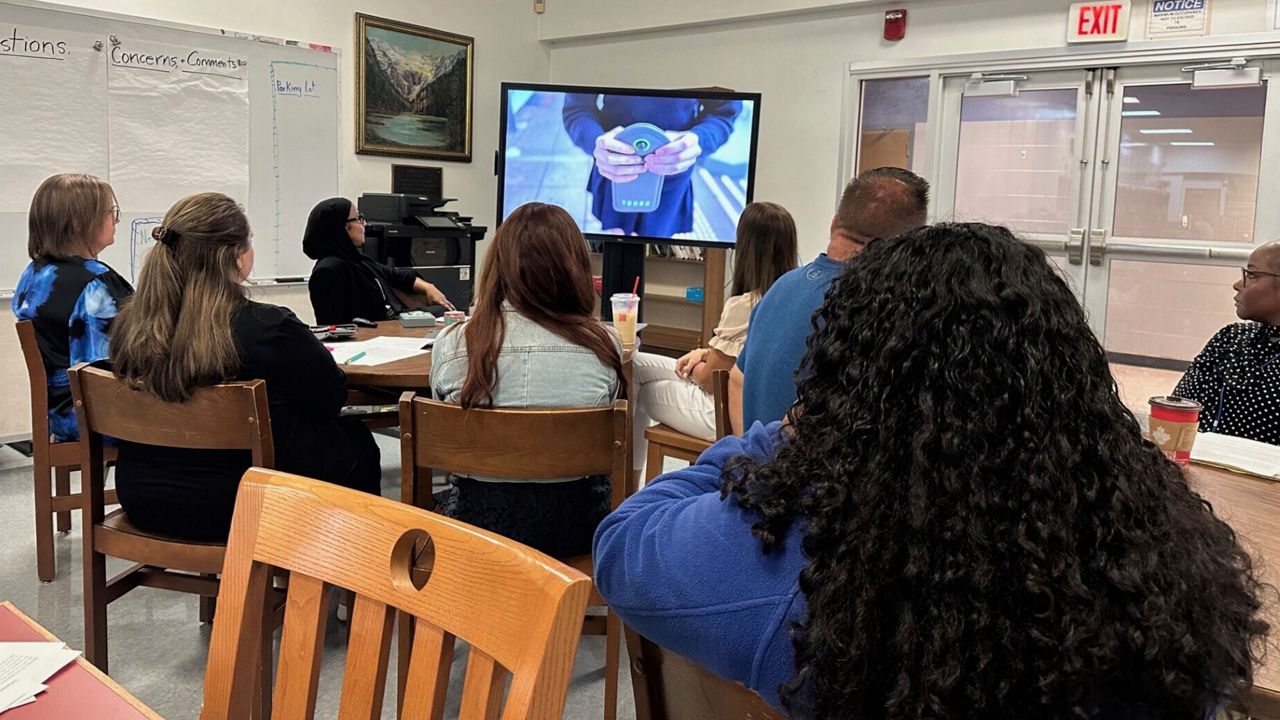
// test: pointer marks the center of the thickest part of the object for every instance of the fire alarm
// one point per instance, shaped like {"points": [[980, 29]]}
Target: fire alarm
{"points": [[895, 24]]}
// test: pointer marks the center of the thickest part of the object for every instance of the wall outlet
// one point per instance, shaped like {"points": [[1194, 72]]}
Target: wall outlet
{"points": [[539, 6]]}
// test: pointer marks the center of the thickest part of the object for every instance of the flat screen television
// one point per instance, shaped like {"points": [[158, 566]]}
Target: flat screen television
{"points": [[647, 166]]}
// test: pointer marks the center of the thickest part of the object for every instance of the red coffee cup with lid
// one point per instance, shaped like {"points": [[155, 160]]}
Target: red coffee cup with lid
{"points": [[1173, 426]]}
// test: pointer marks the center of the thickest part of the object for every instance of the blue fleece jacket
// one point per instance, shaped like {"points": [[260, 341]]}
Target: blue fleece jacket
{"points": [[681, 566]]}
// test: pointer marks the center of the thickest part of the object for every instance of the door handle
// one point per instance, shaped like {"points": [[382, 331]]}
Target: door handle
{"points": [[1097, 246], [1075, 246]]}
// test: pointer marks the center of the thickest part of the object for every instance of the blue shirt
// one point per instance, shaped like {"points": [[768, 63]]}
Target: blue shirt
{"points": [[71, 303], [681, 567], [780, 324]]}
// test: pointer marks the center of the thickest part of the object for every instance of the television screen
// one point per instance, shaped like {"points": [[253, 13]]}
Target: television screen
{"points": [[637, 165]]}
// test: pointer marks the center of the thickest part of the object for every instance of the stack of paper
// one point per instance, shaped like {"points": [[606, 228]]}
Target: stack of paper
{"points": [[380, 350], [24, 668], [1239, 454]]}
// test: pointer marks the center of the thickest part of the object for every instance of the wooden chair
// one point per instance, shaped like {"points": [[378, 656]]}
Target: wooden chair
{"points": [[231, 416], [552, 443], [61, 458], [672, 687], [519, 610], [665, 442]]}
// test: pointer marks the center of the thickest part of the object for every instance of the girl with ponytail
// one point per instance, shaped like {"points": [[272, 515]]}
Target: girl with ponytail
{"points": [[192, 325]]}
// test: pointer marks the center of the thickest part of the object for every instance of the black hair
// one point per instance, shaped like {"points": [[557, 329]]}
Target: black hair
{"points": [[987, 533]]}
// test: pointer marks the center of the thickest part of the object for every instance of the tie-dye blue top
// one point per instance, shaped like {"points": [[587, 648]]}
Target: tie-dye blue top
{"points": [[71, 303]]}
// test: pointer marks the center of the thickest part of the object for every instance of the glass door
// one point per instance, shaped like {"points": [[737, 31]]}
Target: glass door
{"points": [[1176, 209], [1016, 150]]}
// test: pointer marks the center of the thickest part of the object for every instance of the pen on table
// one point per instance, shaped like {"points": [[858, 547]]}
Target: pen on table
{"points": [[353, 358]]}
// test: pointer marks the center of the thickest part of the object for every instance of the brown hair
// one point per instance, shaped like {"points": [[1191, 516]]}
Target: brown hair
{"points": [[66, 211], [175, 334], [538, 262], [883, 203], [765, 249]]}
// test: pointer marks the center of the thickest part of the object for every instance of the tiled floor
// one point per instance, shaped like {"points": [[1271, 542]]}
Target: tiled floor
{"points": [[158, 647], [1137, 384]]}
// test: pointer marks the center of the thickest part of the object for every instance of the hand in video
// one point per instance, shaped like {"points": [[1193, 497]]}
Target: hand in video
{"points": [[676, 156], [616, 160]]}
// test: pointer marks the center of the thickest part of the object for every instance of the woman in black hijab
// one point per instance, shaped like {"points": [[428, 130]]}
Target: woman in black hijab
{"points": [[345, 283]]}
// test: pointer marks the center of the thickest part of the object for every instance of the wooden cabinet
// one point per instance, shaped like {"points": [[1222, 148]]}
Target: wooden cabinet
{"points": [[676, 324]]}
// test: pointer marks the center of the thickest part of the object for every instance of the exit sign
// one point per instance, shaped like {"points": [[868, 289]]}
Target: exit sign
{"points": [[1089, 22]]}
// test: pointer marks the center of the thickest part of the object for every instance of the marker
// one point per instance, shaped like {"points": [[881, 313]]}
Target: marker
{"points": [[353, 358]]}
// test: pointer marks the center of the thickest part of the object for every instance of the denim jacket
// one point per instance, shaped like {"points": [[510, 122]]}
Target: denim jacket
{"points": [[536, 369]]}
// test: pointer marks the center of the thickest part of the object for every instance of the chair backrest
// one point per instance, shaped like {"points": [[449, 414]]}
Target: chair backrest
{"points": [[39, 380], [230, 416], [527, 444], [669, 686], [519, 610], [720, 400]]}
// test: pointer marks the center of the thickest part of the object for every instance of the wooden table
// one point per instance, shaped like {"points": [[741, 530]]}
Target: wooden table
{"points": [[408, 374], [79, 690], [1251, 505]]}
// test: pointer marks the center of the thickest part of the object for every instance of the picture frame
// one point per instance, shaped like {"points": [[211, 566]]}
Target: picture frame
{"points": [[414, 90]]}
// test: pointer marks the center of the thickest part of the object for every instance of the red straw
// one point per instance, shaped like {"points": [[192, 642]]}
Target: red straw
{"points": [[635, 288]]}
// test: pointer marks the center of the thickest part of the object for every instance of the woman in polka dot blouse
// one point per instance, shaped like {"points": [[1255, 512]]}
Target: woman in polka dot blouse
{"points": [[1236, 377]]}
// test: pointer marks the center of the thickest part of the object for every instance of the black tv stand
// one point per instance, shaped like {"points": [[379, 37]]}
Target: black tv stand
{"points": [[623, 263]]}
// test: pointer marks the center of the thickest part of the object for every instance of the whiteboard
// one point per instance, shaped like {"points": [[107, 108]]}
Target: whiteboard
{"points": [[161, 111]]}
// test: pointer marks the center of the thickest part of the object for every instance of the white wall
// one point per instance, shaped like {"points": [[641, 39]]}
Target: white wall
{"points": [[567, 19], [507, 48], [799, 63]]}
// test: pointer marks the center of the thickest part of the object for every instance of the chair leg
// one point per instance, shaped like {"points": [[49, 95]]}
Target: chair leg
{"points": [[62, 488], [95, 609], [208, 605], [45, 567], [612, 645], [653, 464]]}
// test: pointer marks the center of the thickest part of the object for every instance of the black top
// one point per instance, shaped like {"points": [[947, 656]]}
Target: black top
{"points": [[191, 493], [1236, 377], [346, 283]]}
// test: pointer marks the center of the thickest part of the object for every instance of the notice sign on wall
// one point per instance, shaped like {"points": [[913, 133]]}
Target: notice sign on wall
{"points": [[1090, 22], [1178, 18]]}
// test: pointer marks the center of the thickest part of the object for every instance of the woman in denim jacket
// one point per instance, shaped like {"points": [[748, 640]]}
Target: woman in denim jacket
{"points": [[532, 341]]}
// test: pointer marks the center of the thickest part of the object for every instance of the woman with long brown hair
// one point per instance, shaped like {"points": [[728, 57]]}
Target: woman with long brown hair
{"points": [[191, 325], [677, 393], [532, 341]]}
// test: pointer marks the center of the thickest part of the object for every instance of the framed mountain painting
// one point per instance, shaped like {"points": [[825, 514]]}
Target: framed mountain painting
{"points": [[413, 90]]}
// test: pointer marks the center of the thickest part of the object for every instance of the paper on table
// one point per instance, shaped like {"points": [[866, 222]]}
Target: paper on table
{"points": [[380, 350], [1235, 453], [24, 666]]}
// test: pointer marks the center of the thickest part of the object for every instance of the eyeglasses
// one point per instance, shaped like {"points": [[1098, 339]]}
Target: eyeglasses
{"points": [[1248, 275], [358, 218], [115, 213]]}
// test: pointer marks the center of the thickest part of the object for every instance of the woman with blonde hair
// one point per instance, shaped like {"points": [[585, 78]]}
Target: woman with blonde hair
{"points": [[677, 392], [532, 341], [191, 325], [69, 295]]}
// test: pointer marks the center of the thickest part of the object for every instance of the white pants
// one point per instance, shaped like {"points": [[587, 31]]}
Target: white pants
{"points": [[664, 397]]}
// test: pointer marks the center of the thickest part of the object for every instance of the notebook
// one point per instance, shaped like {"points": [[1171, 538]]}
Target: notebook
{"points": [[1239, 454]]}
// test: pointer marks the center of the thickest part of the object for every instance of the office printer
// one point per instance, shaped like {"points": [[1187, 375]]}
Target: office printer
{"points": [[414, 231]]}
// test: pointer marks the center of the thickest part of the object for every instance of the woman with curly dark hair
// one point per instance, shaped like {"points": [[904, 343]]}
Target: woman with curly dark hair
{"points": [[962, 519]]}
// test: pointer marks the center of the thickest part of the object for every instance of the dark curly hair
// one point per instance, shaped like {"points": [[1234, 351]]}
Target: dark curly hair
{"points": [[987, 533]]}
